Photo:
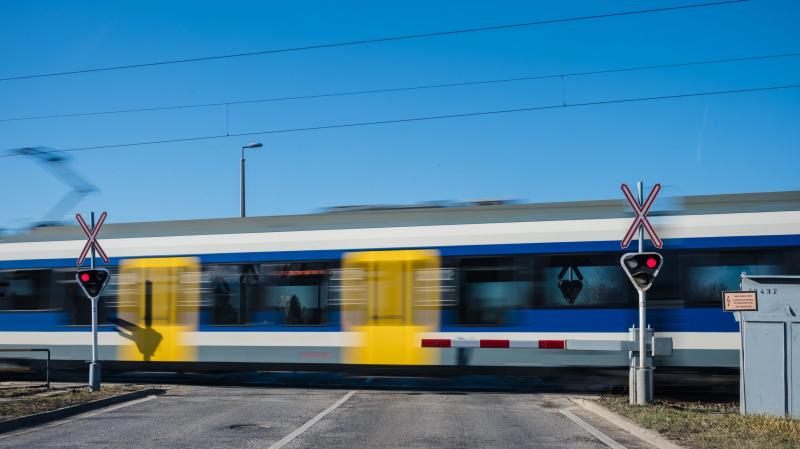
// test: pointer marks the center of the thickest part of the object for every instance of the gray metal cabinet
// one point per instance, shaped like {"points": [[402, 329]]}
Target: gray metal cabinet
{"points": [[770, 356]]}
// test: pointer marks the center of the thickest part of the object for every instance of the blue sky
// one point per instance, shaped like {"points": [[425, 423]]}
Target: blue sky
{"points": [[705, 145]]}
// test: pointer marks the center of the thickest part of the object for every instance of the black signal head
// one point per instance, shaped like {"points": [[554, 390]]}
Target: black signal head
{"points": [[641, 268], [92, 282]]}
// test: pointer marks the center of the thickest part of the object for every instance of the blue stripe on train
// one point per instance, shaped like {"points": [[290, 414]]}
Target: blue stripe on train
{"points": [[542, 320], [29, 321], [604, 320], [463, 250]]}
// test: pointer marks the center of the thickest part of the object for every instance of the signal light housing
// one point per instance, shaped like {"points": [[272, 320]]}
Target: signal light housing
{"points": [[641, 268], [92, 282]]}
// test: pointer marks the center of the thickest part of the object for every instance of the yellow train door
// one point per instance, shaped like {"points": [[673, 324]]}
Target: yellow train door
{"points": [[389, 298], [158, 305]]}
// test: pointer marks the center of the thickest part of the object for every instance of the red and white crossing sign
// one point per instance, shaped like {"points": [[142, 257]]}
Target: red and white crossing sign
{"points": [[641, 216], [91, 242]]}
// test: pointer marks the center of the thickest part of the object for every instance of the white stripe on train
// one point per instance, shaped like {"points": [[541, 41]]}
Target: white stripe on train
{"points": [[681, 340], [715, 225]]}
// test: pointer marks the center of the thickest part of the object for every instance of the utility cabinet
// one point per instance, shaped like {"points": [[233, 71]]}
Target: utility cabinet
{"points": [[770, 347]]}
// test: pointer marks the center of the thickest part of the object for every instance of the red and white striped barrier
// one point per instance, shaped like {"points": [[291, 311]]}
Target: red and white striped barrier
{"points": [[663, 345], [482, 343]]}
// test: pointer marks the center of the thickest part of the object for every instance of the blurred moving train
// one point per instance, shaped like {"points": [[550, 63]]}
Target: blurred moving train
{"points": [[362, 286]]}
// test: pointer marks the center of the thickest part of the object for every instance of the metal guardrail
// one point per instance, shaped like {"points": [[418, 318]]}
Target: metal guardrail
{"points": [[47, 362]]}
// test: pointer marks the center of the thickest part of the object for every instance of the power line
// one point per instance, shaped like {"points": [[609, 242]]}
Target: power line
{"points": [[432, 117], [403, 88], [373, 41]]}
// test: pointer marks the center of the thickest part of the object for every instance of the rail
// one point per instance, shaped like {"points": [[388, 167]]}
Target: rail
{"points": [[47, 362]]}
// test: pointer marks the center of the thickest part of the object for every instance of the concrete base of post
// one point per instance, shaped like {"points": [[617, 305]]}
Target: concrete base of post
{"points": [[632, 385], [641, 389], [94, 376], [640, 380]]}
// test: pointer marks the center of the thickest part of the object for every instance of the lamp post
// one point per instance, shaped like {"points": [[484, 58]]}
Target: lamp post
{"points": [[253, 145]]}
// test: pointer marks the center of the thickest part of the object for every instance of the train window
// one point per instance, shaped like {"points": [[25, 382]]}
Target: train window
{"points": [[295, 293], [231, 291], [706, 274], [581, 280], [26, 290], [492, 287], [266, 294]]}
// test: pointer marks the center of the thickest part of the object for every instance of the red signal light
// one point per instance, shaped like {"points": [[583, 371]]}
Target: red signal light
{"points": [[84, 277], [651, 262]]}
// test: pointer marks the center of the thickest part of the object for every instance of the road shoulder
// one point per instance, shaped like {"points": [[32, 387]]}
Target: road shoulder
{"points": [[650, 437]]}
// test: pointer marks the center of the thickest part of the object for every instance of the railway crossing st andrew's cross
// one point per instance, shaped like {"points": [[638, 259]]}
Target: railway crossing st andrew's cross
{"points": [[91, 241], [641, 216]]}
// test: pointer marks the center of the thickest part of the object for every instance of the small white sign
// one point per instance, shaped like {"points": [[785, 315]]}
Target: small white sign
{"points": [[740, 301]]}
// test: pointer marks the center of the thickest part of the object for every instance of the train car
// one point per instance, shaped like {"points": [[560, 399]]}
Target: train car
{"points": [[361, 286]]}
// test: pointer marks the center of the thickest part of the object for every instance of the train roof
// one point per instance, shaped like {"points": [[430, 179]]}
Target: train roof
{"points": [[426, 214]]}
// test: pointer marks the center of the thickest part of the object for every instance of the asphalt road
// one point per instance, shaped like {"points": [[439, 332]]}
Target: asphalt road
{"points": [[219, 417]]}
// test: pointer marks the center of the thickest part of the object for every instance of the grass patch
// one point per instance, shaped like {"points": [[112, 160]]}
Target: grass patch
{"points": [[16, 402], [703, 425], [20, 391]]}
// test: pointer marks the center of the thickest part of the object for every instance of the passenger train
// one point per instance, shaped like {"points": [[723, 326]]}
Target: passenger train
{"points": [[362, 286]]}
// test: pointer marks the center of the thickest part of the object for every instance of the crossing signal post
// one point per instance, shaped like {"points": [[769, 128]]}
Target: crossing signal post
{"points": [[92, 282], [642, 269]]}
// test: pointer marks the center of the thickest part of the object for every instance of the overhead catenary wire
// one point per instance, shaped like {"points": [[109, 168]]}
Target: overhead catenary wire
{"points": [[373, 40], [227, 104], [426, 118]]}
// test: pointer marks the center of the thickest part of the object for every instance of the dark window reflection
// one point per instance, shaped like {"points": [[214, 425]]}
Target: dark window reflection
{"points": [[228, 289], [294, 292], [291, 294], [595, 280], [54, 290], [491, 287], [27, 290], [704, 275]]}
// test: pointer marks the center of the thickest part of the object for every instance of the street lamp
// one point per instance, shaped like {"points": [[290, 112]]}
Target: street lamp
{"points": [[253, 145]]}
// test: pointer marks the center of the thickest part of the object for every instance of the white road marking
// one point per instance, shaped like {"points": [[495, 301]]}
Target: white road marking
{"points": [[285, 440], [591, 429], [79, 417]]}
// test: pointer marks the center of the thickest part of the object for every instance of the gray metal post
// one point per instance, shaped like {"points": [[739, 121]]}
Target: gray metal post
{"points": [[644, 374], [241, 186], [740, 320], [94, 367], [642, 296], [92, 259]]}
